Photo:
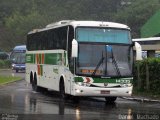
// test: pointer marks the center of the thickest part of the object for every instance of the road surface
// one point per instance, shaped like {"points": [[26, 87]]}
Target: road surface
{"points": [[18, 101]]}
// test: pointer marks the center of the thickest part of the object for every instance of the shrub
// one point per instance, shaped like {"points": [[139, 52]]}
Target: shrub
{"points": [[3, 56], [147, 75], [2, 64], [5, 64]]}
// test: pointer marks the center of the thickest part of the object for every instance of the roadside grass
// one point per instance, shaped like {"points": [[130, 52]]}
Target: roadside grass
{"points": [[8, 79], [147, 94]]}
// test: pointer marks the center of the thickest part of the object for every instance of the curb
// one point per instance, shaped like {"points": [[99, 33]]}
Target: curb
{"points": [[5, 69], [141, 99]]}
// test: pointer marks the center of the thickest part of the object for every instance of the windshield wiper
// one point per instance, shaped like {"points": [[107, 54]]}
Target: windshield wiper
{"points": [[115, 63], [98, 65]]}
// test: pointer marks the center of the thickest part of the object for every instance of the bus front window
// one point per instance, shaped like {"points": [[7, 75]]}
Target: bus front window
{"points": [[104, 52], [89, 57], [100, 60]]}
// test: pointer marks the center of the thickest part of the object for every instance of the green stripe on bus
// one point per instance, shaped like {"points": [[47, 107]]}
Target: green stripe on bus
{"points": [[106, 80], [53, 58], [49, 58], [30, 58], [41, 70], [65, 56], [78, 79]]}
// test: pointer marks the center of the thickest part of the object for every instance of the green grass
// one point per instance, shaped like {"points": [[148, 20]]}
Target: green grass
{"points": [[8, 79], [146, 94]]}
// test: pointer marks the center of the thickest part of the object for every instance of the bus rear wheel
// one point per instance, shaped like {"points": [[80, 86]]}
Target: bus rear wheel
{"points": [[110, 99], [34, 85]]}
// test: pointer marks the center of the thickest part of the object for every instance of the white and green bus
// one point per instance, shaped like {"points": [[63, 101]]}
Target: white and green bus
{"points": [[81, 58]]}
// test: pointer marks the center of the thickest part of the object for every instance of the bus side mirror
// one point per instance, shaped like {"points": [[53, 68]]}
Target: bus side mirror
{"points": [[138, 51], [74, 48]]}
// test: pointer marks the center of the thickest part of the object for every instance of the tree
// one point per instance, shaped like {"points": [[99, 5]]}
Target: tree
{"points": [[18, 17], [136, 14]]}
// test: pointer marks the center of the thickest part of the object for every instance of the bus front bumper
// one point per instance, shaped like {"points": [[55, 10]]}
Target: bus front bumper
{"points": [[103, 92], [18, 67]]}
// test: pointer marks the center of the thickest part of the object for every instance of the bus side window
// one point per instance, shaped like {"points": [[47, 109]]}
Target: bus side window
{"points": [[61, 38], [44, 44], [64, 37], [70, 38], [50, 39], [55, 39]]}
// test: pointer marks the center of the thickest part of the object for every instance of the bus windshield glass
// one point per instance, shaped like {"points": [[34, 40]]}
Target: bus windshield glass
{"points": [[109, 35], [17, 51], [19, 58], [101, 54]]}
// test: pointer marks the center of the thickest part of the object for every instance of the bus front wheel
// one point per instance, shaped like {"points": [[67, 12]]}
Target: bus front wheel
{"points": [[62, 89], [110, 99]]}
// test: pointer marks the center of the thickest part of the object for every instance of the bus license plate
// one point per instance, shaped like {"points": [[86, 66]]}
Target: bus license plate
{"points": [[105, 92]]}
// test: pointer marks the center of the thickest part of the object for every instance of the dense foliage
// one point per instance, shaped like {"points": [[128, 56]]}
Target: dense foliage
{"points": [[147, 75], [3, 55], [5, 64], [18, 17]]}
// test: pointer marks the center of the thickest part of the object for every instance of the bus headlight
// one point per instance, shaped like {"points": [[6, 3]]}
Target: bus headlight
{"points": [[126, 85], [129, 85], [130, 92], [13, 65], [78, 91], [83, 84]]}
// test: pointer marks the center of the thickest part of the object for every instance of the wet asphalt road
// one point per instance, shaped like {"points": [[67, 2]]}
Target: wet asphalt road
{"points": [[17, 100]]}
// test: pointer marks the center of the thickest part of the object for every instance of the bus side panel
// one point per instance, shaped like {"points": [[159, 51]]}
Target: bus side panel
{"points": [[50, 77], [67, 77]]}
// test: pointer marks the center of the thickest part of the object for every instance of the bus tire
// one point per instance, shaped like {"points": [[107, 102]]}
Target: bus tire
{"points": [[62, 89], [110, 99], [31, 78], [34, 84], [16, 71]]}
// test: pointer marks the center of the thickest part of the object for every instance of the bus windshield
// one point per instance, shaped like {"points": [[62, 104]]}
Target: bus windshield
{"points": [[20, 58], [109, 35], [102, 55], [18, 54]]}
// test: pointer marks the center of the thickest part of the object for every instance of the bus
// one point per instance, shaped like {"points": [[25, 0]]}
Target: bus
{"points": [[17, 58], [81, 58]]}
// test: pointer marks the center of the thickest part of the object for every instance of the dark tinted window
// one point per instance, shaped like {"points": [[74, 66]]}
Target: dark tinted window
{"points": [[70, 38], [47, 40]]}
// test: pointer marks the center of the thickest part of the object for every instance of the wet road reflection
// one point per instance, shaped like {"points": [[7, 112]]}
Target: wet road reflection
{"points": [[18, 98]]}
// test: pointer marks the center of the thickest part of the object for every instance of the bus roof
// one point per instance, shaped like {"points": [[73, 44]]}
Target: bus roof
{"points": [[19, 48], [82, 24]]}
